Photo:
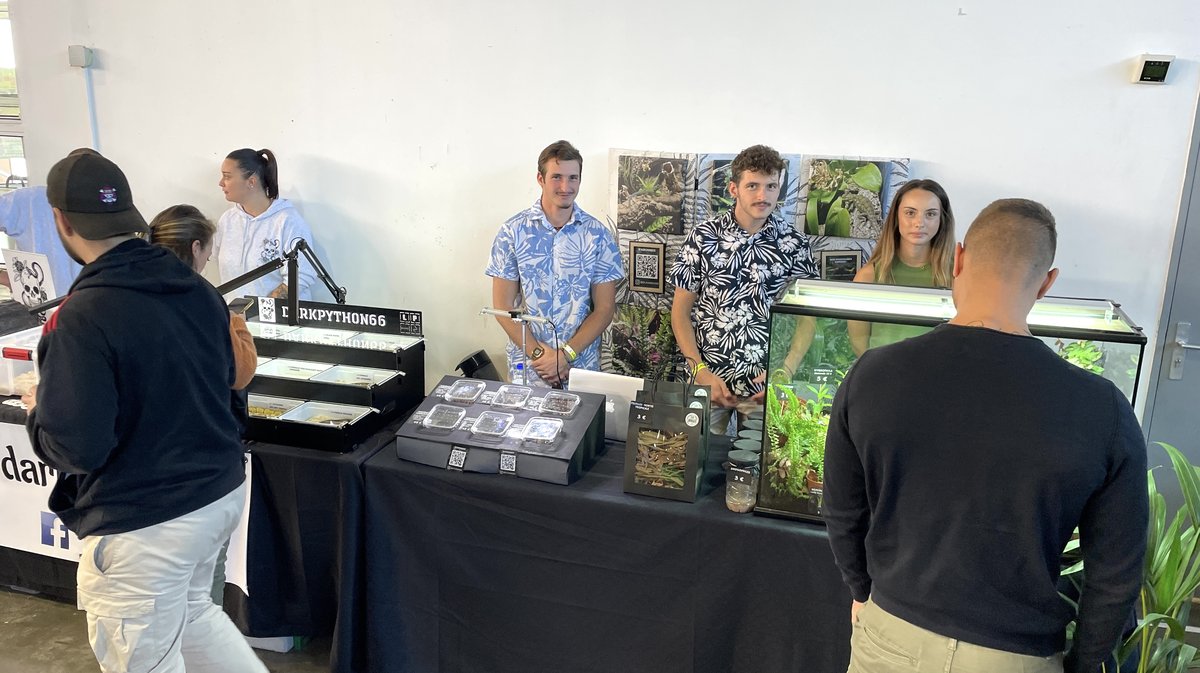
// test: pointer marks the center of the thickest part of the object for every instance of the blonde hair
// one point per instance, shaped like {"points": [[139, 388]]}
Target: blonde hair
{"points": [[941, 257], [177, 227]]}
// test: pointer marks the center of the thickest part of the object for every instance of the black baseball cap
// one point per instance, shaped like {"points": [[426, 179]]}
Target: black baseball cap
{"points": [[95, 194]]}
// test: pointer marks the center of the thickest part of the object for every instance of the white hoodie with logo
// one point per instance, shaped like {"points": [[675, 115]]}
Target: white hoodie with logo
{"points": [[243, 243]]}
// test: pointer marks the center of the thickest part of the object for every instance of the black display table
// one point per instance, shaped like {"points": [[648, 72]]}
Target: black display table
{"points": [[470, 572], [305, 533]]}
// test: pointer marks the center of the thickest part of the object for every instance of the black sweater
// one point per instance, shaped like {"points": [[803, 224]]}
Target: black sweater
{"points": [[133, 404], [957, 465]]}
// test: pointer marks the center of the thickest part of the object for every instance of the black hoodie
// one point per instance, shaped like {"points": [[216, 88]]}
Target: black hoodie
{"points": [[133, 405]]}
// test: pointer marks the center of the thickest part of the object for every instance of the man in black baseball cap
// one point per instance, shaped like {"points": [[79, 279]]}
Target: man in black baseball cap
{"points": [[94, 195], [133, 411]]}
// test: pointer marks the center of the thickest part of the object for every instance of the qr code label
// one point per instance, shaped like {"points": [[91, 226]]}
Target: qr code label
{"points": [[645, 267], [458, 458], [508, 463]]}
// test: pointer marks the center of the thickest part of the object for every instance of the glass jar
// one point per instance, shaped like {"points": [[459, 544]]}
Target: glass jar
{"points": [[741, 481]]}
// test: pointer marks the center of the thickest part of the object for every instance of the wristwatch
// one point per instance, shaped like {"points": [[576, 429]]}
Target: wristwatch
{"points": [[537, 352]]}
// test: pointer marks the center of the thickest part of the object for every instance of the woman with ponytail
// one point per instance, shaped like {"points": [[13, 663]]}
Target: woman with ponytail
{"points": [[259, 227], [915, 249]]}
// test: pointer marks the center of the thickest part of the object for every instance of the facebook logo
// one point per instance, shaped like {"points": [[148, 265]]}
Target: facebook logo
{"points": [[53, 527]]}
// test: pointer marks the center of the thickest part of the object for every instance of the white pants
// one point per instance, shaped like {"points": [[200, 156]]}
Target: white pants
{"points": [[148, 596]]}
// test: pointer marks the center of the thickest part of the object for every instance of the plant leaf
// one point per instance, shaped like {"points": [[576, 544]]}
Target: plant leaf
{"points": [[811, 226], [869, 178], [837, 223]]}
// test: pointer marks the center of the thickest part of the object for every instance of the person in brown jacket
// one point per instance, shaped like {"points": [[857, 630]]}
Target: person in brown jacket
{"points": [[185, 231]]}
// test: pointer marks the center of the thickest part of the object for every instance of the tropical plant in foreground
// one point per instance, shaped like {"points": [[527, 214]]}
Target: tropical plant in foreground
{"points": [[1170, 579]]}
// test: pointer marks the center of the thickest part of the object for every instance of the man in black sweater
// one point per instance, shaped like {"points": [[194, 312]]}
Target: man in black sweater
{"points": [[133, 411], [959, 462]]}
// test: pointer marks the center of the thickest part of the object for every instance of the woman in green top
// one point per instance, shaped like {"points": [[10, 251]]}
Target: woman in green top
{"points": [[915, 249]]}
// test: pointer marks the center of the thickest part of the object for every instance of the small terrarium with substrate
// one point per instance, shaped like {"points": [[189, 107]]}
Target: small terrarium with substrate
{"points": [[820, 328]]}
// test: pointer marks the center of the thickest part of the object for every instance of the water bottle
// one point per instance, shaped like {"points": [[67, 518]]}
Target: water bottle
{"points": [[518, 376]]}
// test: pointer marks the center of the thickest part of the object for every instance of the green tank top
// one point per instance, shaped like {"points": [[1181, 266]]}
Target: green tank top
{"points": [[909, 276]]}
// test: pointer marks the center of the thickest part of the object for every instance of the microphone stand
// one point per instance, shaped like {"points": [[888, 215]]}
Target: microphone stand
{"points": [[291, 259], [520, 318]]}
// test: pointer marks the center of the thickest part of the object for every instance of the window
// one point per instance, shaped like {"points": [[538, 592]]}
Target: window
{"points": [[13, 173]]}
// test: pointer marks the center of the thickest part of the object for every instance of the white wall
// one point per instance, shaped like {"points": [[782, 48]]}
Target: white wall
{"points": [[407, 131]]}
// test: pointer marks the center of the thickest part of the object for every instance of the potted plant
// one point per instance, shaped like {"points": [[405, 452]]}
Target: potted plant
{"points": [[1170, 579], [795, 430]]}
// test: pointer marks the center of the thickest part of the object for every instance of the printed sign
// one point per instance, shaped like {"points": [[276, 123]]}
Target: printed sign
{"points": [[29, 277], [25, 484], [345, 316]]}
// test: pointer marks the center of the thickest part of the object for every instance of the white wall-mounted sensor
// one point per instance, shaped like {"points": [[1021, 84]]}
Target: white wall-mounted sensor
{"points": [[1151, 69], [79, 56]]}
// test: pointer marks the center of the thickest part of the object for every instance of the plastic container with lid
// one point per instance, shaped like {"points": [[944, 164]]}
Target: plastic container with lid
{"points": [[363, 377], [325, 413], [741, 481], [443, 418], [755, 435], [18, 367], [465, 391], [543, 431], [301, 370], [267, 406], [492, 424], [381, 342], [318, 335], [511, 397], [560, 403], [268, 330], [748, 445]]}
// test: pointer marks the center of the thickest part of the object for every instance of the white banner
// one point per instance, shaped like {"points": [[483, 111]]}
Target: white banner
{"points": [[27, 523], [235, 558]]}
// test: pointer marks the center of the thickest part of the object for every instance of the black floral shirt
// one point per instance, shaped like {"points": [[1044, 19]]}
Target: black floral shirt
{"points": [[736, 277]]}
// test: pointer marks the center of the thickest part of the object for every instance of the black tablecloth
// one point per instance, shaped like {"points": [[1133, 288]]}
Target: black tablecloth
{"points": [[303, 558], [470, 572]]}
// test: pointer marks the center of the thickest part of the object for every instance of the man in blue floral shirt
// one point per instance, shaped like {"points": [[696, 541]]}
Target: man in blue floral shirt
{"points": [[728, 273], [563, 265]]}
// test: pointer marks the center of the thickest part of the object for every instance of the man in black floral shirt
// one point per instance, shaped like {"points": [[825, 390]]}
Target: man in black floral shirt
{"points": [[728, 273]]}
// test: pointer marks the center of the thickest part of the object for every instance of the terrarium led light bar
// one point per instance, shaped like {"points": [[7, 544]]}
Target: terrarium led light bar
{"points": [[1096, 314]]}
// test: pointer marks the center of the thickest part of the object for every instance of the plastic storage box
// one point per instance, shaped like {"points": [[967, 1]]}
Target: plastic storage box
{"points": [[18, 367]]}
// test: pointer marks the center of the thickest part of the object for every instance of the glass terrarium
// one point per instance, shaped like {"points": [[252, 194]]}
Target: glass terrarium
{"points": [[819, 329]]}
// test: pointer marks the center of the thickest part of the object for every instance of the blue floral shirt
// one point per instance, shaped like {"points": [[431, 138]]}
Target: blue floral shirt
{"points": [[556, 271], [736, 277]]}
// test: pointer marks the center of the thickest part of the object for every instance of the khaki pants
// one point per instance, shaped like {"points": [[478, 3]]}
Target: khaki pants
{"points": [[148, 596], [884, 643]]}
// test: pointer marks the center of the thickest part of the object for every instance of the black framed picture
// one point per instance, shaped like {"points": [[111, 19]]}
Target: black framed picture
{"points": [[647, 272], [840, 264]]}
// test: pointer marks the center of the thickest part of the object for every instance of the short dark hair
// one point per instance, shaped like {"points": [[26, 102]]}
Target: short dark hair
{"points": [[560, 150], [1012, 235], [756, 159]]}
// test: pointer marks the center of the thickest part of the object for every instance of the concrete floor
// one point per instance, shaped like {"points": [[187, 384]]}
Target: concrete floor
{"points": [[38, 635]]}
